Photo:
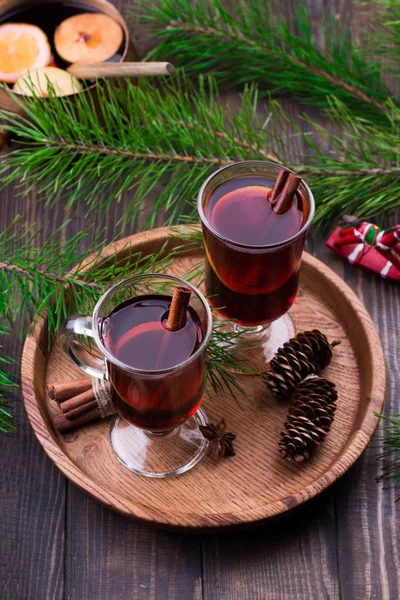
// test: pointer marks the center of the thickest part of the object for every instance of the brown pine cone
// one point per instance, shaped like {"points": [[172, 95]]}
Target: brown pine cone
{"points": [[321, 349], [307, 353], [288, 367], [309, 418]]}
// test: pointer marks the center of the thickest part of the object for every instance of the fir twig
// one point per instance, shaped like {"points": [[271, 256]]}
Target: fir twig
{"points": [[7, 418], [391, 449], [360, 174], [175, 136], [221, 366], [266, 47], [38, 279]]}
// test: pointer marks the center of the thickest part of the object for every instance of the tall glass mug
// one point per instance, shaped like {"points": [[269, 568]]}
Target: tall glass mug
{"points": [[157, 374], [253, 255]]}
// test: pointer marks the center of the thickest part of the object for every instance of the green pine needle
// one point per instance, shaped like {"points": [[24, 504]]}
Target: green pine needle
{"points": [[173, 136], [38, 279], [255, 41], [390, 441], [221, 367], [7, 418]]}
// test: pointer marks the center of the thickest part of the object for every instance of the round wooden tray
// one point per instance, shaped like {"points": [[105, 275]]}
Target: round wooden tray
{"points": [[256, 484]]}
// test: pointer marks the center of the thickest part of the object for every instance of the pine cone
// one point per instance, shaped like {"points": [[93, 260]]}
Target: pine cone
{"points": [[307, 353], [309, 418], [289, 366], [320, 347]]}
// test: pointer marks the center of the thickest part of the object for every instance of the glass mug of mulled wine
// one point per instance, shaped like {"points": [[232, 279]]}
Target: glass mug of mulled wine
{"points": [[150, 334], [255, 218]]}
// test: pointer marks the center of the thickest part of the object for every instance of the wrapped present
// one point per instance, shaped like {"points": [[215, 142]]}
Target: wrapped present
{"points": [[365, 245]]}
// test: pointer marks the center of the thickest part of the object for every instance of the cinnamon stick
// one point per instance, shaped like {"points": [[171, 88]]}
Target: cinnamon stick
{"points": [[80, 410], [178, 308], [77, 401], [63, 424], [67, 389], [278, 185], [286, 197]]}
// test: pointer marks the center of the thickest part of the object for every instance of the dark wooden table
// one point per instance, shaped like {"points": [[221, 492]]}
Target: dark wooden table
{"points": [[57, 543]]}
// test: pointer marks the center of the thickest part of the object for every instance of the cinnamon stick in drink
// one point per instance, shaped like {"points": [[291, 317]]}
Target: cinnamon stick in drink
{"points": [[178, 308], [286, 198], [278, 185]]}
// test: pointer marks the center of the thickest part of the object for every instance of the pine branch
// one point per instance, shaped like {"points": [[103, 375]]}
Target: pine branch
{"points": [[7, 418], [264, 47], [221, 366], [390, 456], [177, 135], [148, 156], [360, 175], [38, 279]]}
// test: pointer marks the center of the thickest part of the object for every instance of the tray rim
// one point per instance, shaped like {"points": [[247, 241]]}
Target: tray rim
{"points": [[356, 444]]}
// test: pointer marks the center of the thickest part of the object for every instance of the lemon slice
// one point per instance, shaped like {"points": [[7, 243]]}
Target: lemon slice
{"points": [[37, 81]]}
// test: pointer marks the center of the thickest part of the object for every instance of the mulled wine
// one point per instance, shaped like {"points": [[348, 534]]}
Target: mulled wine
{"points": [[251, 272], [136, 333]]}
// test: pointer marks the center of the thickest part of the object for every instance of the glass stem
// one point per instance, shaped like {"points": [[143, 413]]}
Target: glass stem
{"points": [[253, 333], [160, 434]]}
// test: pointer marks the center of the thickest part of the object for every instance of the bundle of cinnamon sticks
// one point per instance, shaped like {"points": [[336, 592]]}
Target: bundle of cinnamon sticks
{"points": [[77, 402]]}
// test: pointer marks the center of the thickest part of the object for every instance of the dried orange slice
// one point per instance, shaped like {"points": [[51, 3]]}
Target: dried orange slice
{"points": [[22, 47], [88, 38]]}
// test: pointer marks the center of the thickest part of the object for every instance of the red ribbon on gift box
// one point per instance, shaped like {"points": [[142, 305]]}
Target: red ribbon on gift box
{"points": [[365, 245]]}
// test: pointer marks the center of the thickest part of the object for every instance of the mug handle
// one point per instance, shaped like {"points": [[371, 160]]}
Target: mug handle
{"points": [[79, 352]]}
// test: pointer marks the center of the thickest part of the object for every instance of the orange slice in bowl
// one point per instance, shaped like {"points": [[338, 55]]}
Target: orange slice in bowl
{"points": [[88, 38], [22, 47]]}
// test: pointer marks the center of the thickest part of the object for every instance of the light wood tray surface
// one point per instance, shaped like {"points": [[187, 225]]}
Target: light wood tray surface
{"points": [[257, 484]]}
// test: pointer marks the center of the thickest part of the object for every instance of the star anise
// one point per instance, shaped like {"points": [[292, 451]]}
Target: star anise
{"points": [[221, 441]]}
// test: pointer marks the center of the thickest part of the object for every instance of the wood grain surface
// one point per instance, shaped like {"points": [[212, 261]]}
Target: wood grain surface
{"points": [[57, 543]]}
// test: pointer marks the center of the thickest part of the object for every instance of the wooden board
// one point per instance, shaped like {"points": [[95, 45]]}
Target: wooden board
{"points": [[257, 484]]}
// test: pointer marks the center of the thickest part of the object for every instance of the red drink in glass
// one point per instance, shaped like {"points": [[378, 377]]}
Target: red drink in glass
{"points": [[153, 352], [253, 255], [246, 284], [136, 334]]}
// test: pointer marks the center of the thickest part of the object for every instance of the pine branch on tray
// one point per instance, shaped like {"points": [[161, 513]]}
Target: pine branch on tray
{"points": [[174, 136], [266, 47], [39, 279]]}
